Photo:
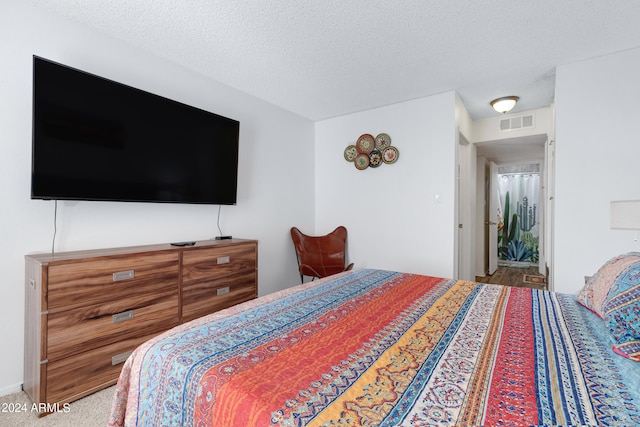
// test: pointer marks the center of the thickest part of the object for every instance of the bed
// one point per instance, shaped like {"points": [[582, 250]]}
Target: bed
{"points": [[383, 348]]}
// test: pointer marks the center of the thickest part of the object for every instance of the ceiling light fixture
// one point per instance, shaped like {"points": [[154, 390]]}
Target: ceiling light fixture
{"points": [[504, 104]]}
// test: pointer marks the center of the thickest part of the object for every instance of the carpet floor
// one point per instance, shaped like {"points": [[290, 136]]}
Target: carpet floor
{"points": [[91, 411]]}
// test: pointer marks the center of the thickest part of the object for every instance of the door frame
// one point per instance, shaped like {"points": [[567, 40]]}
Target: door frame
{"points": [[492, 221], [492, 218], [465, 208], [465, 261]]}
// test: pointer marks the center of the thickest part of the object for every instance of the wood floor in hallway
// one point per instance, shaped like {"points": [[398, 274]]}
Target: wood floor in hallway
{"points": [[513, 276]]}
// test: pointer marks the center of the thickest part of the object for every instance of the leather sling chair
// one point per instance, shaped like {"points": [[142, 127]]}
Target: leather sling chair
{"points": [[320, 256]]}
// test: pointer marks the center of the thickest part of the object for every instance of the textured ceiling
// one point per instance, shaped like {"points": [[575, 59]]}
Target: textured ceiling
{"points": [[327, 58]]}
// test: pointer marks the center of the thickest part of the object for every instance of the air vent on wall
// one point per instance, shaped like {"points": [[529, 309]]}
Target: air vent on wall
{"points": [[514, 123]]}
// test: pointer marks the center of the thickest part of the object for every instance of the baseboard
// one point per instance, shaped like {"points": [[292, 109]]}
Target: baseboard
{"points": [[483, 274], [10, 389]]}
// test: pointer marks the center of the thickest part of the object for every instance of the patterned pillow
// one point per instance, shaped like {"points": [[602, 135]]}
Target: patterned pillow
{"points": [[622, 312], [597, 288]]}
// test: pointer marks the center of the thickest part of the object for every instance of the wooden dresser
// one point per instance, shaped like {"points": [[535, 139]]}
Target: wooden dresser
{"points": [[86, 311]]}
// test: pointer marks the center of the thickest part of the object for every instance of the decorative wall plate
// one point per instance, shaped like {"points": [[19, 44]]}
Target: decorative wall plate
{"points": [[390, 155], [366, 143], [375, 158], [371, 152], [361, 161], [350, 153], [382, 141]]}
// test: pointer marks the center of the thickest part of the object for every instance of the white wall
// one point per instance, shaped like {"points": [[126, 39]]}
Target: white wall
{"points": [[390, 212], [488, 129], [597, 155], [276, 177]]}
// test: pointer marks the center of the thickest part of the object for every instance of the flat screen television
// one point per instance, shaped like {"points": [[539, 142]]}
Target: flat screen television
{"points": [[96, 139]]}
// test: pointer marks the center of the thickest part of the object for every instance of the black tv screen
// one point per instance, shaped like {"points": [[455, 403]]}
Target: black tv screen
{"points": [[96, 139]]}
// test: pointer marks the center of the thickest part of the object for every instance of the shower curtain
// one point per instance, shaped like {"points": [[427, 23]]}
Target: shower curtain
{"points": [[518, 230]]}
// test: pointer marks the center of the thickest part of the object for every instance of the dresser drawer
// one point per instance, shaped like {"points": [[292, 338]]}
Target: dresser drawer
{"points": [[200, 264], [85, 282], [86, 310], [77, 376], [207, 296], [79, 330]]}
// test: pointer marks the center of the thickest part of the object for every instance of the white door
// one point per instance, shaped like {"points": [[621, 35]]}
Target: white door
{"points": [[492, 220]]}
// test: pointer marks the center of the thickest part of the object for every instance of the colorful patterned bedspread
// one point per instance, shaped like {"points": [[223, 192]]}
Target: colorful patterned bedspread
{"points": [[380, 348]]}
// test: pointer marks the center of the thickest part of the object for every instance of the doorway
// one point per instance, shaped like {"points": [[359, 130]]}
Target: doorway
{"points": [[512, 238], [518, 193]]}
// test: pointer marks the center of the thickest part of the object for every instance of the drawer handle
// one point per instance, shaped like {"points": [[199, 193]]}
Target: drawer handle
{"points": [[119, 358], [223, 260], [222, 291], [121, 317], [123, 275]]}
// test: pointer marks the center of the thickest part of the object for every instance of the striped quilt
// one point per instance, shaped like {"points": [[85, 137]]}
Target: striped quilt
{"points": [[381, 348]]}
